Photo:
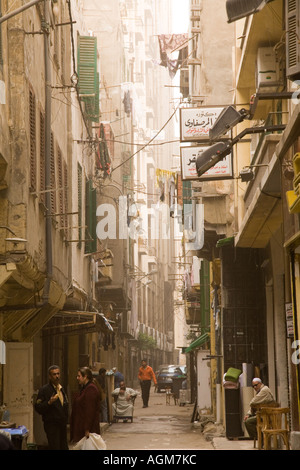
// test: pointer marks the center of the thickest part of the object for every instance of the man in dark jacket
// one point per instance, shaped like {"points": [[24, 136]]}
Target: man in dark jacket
{"points": [[52, 404]]}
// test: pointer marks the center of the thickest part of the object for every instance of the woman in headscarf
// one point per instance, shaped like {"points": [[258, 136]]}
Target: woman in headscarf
{"points": [[86, 407]]}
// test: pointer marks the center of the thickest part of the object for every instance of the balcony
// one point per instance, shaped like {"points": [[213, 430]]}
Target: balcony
{"points": [[262, 198]]}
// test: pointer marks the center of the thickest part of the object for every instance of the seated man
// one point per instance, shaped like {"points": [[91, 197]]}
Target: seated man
{"points": [[123, 405], [263, 395]]}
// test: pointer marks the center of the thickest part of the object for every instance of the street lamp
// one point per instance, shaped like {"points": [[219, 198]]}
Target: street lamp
{"points": [[237, 9], [218, 151], [227, 119]]}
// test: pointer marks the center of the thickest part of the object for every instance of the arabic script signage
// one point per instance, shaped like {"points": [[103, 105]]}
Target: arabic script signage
{"points": [[195, 123], [188, 155]]}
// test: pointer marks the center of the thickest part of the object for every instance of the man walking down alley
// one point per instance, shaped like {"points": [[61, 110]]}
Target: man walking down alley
{"points": [[145, 376]]}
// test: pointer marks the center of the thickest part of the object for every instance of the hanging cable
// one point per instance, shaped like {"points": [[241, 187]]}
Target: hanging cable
{"points": [[146, 145]]}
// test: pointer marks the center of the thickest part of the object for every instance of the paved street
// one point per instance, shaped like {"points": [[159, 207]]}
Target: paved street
{"points": [[164, 427]]}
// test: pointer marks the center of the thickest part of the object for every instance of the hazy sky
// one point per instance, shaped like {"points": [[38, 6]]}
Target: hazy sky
{"points": [[180, 16]]}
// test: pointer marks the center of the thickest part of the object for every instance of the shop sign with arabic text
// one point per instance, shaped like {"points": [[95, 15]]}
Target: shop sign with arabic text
{"points": [[188, 157], [195, 123]]}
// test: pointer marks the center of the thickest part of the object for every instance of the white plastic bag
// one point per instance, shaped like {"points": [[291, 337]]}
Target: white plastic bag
{"points": [[94, 442]]}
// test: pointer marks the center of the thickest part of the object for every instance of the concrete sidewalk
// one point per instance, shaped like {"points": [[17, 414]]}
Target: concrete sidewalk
{"points": [[222, 443]]}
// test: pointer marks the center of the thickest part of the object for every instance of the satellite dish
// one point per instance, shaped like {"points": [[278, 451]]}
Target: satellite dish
{"points": [[16, 240]]}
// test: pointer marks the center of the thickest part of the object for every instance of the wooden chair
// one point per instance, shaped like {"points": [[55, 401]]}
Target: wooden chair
{"points": [[261, 420], [277, 425]]}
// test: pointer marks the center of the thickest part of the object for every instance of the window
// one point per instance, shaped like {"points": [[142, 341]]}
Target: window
{"points": [[292, 17], [88, 76], [42, 158], [53, 173], [66, 197], [79, 186], [32, 137], [62, 192], [90, 218], [60, 187]]}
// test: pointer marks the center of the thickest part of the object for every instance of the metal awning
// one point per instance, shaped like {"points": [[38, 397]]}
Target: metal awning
{"points": [[198, 342], [77, 322], [237, 9]]}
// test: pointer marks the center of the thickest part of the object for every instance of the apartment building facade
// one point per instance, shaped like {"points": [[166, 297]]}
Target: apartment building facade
{"points": [[254, 265], [77, 101]]}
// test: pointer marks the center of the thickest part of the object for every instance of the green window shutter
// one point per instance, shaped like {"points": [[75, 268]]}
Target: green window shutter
{"points": [[90, 218], [187, 209], [205, 296], [88, 76], [79, 181]]}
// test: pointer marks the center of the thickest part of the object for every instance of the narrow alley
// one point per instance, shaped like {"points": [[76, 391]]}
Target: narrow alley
{"points": [[167, 427]]}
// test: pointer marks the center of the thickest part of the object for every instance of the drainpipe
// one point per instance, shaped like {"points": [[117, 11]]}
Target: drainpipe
{"points": [[47, 153]]}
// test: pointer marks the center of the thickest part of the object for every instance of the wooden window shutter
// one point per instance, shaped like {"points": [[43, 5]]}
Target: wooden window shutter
{"points": [[205, 296], [53, 185], [42, 158], [60, 186], [292, 18], [66, 197], [90, 218], [88, 76], [79, 184], [32, 129]]}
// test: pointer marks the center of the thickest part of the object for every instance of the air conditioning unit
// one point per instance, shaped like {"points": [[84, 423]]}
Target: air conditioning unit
{"points": [[267, 70]]}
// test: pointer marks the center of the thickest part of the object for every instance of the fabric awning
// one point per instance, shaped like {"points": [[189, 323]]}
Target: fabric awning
{"points": [[198, 342], [237, 9]]}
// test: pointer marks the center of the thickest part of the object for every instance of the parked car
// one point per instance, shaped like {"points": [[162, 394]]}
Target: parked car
{"points": [[165, 377]]}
